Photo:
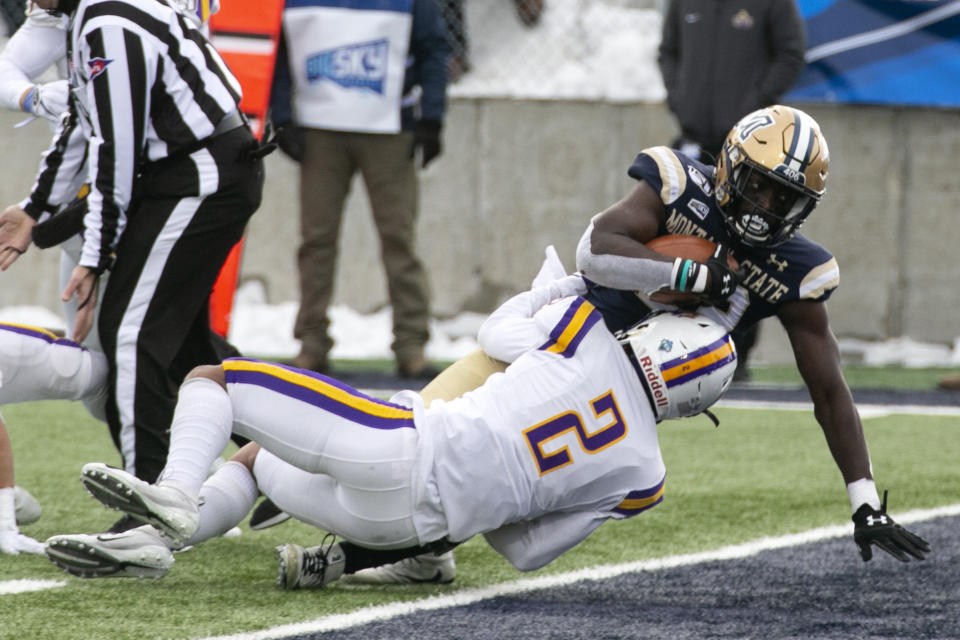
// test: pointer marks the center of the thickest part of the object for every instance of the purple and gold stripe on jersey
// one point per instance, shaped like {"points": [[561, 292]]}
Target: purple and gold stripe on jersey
{"points": [[319, 391], [639, 501], [699, 362], [577, 320], [36, 332]]}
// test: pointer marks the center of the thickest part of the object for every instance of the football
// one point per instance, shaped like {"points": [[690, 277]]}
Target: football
{"points": [[683, 246]]}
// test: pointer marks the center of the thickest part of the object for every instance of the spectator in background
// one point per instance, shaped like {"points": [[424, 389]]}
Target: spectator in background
{"points": [[373, 116], [720, 60]]}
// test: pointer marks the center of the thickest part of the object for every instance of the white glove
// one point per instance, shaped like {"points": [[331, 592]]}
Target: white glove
{"points": [[12, 542], [551, 269], [572, 285], [48, 100]]}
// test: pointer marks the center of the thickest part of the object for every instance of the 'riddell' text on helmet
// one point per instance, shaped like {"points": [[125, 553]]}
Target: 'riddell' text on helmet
{"points": [[685, 361], [771, 173]]}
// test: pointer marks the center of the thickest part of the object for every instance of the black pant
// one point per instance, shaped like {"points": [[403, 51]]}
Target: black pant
{"points": [[154, 325]]}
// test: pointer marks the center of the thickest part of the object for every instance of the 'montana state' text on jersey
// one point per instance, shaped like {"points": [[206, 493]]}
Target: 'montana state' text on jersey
{"points": [[146, 85], [798, 269], [564, 438]]}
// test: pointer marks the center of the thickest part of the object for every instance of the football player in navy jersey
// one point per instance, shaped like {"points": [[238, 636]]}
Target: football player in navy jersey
{"points": [[770, 176]]}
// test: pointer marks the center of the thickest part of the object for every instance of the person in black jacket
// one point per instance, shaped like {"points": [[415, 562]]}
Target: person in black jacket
{"points": [[361, 88], [720, 60]]}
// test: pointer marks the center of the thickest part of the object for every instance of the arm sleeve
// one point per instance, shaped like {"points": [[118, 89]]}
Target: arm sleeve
{"points": [[532, 544], [28, 53], [622, 272], [511, 330], [118, 98]]}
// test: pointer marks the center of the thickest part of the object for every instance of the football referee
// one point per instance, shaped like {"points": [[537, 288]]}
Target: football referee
{"points": [[174, 175]]}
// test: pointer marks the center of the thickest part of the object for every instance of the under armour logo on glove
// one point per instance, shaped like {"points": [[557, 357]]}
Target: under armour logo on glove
{"points": [[723, 279], [873, 521]]}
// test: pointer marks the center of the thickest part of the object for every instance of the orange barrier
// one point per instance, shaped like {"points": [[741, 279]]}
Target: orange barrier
{"points": [[245, 32]]}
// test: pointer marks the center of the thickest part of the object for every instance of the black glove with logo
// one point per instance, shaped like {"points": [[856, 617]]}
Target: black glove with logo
{"points": [[723, 278], [872, 527], [426, 137], [715, 280]]}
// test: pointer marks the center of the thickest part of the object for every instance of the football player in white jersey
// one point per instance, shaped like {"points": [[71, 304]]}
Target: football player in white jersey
{"points": [[535, 459], [35, 364]]}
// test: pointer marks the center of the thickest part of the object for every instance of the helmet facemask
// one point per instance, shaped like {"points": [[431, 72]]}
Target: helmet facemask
{"points": [[765, 210]]}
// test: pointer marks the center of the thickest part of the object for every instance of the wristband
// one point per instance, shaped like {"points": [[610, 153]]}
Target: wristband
{"points": [[863, 491], [26, 100], [688, 275]]}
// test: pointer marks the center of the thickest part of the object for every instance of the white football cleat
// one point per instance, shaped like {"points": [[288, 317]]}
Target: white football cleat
{"points": [[425, 568], [137, 553], [171, 510], [310, 567], [26, 507]]}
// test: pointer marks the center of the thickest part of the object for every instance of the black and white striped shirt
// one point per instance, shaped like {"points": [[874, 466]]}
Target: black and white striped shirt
{"points": [[145, 85]]}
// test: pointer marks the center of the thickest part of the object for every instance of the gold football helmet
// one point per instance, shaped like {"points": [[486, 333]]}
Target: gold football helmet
{"points": [[771, 173]]}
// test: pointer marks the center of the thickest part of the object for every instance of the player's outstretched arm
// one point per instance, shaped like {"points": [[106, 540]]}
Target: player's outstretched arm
{"points": [[818, 360]]}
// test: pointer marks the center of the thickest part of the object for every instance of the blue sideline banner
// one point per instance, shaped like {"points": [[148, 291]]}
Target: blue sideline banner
{"points": [[903, 52]]}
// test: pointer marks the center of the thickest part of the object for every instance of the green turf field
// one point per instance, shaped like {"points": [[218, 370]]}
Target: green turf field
{"points": [[760, 473]]}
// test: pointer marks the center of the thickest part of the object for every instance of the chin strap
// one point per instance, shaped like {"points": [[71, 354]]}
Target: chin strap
{"points": [[709, 414]]}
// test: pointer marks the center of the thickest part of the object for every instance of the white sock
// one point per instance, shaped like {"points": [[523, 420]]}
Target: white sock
{"points": [[201, 429], [225, 499]]}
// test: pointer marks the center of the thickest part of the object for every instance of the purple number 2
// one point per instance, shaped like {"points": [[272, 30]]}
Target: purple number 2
{"points": [[539, 435]]}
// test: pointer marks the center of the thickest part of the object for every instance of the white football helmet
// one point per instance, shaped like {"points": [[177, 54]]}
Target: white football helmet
{"points": [[685, 361]]}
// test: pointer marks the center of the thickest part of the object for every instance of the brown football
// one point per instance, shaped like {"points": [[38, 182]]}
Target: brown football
{"points": [[683, 246]]}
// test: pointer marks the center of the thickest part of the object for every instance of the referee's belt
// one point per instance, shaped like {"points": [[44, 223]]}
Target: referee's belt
{"points": [[229, 122]]}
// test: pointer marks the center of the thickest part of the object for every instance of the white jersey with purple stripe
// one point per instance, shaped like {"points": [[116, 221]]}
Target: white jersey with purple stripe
{"points": [[566, 429]]}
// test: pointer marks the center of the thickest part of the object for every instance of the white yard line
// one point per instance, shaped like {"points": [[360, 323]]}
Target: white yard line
{"points": [[470, 596], [26, 585]]}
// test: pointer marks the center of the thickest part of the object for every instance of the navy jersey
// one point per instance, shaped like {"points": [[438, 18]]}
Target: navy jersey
{"points": [[798, 269]]}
